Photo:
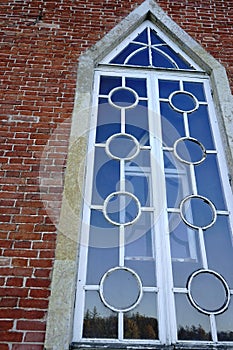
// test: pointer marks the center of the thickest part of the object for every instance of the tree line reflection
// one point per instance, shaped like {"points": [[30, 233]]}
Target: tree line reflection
{"points": [[138, 326]]}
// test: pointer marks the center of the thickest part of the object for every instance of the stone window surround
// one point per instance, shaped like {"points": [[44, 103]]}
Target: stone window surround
{"points": [[61, 305]]}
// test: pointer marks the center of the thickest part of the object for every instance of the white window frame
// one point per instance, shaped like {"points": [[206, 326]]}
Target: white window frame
{"points": [[165, 301]]}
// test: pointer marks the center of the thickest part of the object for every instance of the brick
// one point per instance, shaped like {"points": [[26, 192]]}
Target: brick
{"points": [[30, 325]]}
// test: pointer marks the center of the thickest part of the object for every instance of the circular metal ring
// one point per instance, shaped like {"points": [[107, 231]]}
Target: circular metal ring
{"points": [[226, 288], [186, 93], [204, 199], [138, 280], [113, 194], [123, 88], [192, 140], [122, 134]]}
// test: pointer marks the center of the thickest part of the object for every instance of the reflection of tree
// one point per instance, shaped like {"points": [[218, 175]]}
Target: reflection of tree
{"points": [[137, 326], [225, 336], [96, 326], [193, 333]]}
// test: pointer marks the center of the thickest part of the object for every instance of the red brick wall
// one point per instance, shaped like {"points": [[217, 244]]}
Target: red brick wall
{"points": [[40, 44]]}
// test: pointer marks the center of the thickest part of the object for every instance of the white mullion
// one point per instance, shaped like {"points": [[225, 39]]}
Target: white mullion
{"points": [[120, 325], [149, 46], [213, 328]]}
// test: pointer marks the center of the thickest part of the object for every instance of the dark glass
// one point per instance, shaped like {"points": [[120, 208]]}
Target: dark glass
{"points": [[138, 85], [172, 124], [210, 189], [145, 269], [192, 325], [142, 322], [183, 101], [142, 37], [103, 184], [219, 249], [189, 151], [121, 57], [197, 212], [140, 58], [121, 289], [155, 39], [99, 321], [224, 323], [99, 261], [108, 83], [166, 87], [208, 292], [200, 128], [180, 61], [123, 98], [160, 60], [197, 89], [102, 233]]}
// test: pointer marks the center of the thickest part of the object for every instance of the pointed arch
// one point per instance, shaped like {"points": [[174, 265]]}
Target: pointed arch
{"points": [[60, 317]]}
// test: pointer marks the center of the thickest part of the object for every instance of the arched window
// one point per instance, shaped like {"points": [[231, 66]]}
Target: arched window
{"points": [[158, 260], [152, 227]]}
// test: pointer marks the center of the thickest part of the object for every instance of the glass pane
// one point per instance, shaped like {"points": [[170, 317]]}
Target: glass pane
{"points": [[166, 87], [197, 89], [177, 187], [99, 321], [140, 58], [140, 247], [218, 242], [103, 184], [180, 61], [145, 270], [121, 289], [225, 324], [122, 97], [172, 124], [210, 189], [142, 161], [142, 322], [135, 232], [197, 212], [137, 123], [138, 85], [139, 185], [102, 233], [191, 324], [155, 39], [142, 38], [108, 83], [183, 101], [121, 208], [161, 60], [200, 127], [208, 292], [99, 261], [121, 57], [123, 147], [108, 122], [190, 151], [185, 250]]}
